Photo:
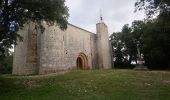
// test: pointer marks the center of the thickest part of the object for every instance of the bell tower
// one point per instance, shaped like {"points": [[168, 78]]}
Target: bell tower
{"points": [[103, 45]]}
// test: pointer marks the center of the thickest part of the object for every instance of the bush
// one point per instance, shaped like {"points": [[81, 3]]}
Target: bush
{"points": [[6, 64], [123, 65]]}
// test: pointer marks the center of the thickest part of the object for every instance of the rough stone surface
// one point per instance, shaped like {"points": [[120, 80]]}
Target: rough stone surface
{"points": [[103, 46], [55, 50]]}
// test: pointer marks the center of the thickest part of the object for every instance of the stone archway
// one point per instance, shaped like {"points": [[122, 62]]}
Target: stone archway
{"points": [[82, 61]]}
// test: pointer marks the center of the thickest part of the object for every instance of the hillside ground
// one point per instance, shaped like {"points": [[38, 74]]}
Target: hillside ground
{"points": [[88, 85]]}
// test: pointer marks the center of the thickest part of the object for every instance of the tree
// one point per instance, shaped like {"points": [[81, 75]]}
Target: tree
{"points": [[156, 38], [6, 64], [15, 13], [130, 43], [117, 46], [125, 43], [156, 45], [152, 7]]}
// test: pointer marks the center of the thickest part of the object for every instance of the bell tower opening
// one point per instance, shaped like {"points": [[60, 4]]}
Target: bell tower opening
{"points": [[82, 62]]}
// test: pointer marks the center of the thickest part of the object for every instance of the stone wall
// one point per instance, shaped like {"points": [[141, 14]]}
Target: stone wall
{"points": [[60, 49], [25, 53], [54, 50], [103, 46]]}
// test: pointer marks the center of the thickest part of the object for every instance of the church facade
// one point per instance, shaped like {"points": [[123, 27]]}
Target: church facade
{"points": [[53, 50]]}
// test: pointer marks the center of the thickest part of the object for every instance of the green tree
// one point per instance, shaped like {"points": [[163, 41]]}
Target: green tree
{"points": [[125, 43], [152, 7], [156, 45], [6, 64], [117, 47], [15, 13], [156, 38], [138, 28], [130, 43]]}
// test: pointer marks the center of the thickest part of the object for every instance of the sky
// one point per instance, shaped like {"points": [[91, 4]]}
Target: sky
{"points": [[115, 13]]}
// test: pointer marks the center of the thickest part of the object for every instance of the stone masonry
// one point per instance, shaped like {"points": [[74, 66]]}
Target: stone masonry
{"points": [[54, 50]]}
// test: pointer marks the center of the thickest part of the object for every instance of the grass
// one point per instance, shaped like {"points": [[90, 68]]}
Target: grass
{"points": [[88, 85]]}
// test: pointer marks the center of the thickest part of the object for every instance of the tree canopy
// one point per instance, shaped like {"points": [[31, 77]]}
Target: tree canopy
{"points": [[152, 7], [151, 35], [152, 39], [125, 44], [15, 13]]}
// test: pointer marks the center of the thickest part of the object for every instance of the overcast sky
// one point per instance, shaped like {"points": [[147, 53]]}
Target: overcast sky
{"points": [[116, 13]]}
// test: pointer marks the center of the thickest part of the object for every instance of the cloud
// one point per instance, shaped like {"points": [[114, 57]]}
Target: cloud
{"points": [[116, 13]]}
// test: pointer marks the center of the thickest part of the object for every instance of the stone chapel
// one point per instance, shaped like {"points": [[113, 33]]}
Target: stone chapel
{"points": [[54, 50]]}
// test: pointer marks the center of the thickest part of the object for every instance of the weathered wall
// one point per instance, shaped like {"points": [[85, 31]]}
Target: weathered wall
{"points": [[59, 49], [103, 46], [55, 50], [25, 53], [76, 41], [94, 51], [51, 50]]}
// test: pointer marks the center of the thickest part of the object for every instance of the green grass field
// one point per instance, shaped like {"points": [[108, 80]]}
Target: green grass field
{"points": [[88, 85]]}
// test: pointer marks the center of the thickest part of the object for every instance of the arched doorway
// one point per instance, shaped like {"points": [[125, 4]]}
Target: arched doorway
{"points": [[82, 62], [79, 63]]}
